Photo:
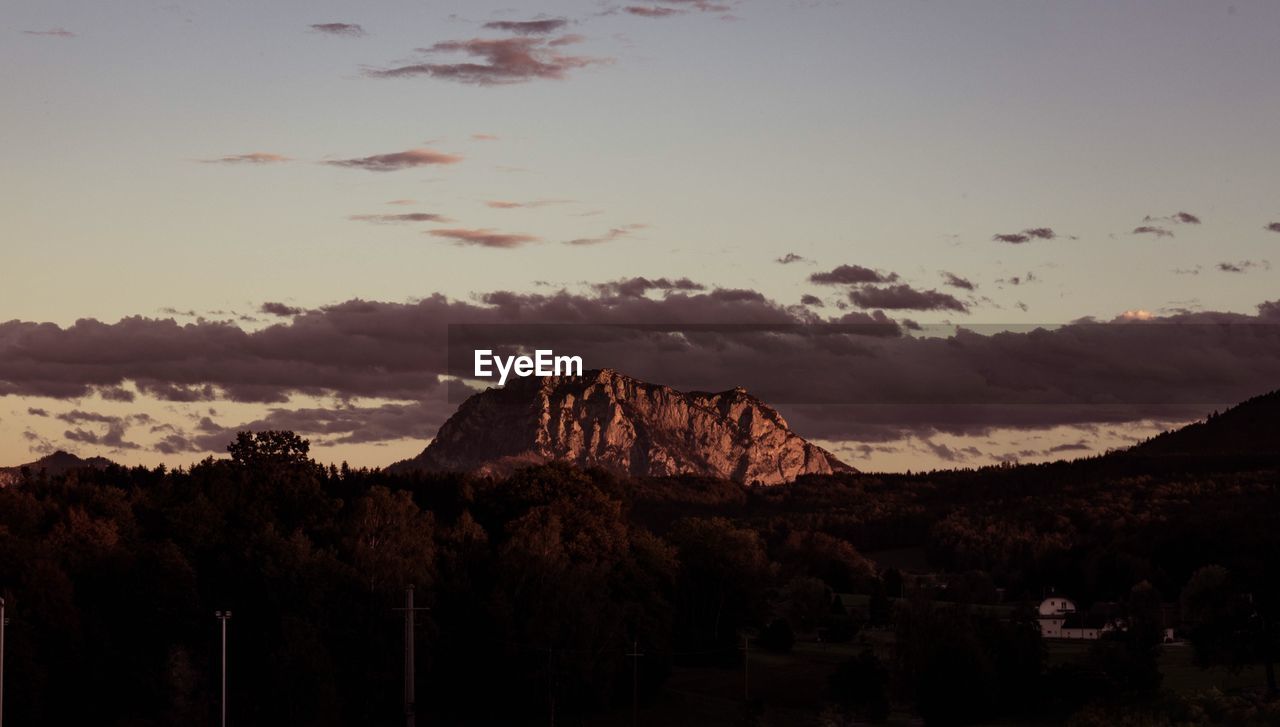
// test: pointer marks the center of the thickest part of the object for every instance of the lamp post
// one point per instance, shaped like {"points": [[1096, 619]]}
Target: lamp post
{"points": [[222, 616]]}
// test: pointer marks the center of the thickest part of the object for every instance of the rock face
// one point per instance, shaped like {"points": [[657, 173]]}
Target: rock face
{"points": [[609, 420]]}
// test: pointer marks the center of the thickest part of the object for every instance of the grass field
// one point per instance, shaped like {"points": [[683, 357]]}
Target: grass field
{"points": [[789, 689], [1180, 674]]}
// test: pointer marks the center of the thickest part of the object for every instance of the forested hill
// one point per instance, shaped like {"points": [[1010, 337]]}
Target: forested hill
{"points": [[1249, 428]]}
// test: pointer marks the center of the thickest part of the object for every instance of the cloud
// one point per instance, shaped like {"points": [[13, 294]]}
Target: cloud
{"points": [[812, 300], [789, 258], [1030, 277], [705, 6], [955, 281], [851, 275], [344, 424], [850, 378], [484, 237], [398, 160], [1151, 230], [51, 33], [652, 11], [484, 137], [257, 157], [113, 437], [402, 202], [116, 393], [904, 297], [499, 204], [615, 233], [1177, 218], [528, 27], [502, 61], [1272, 227], [347, 30], [280, 309], [1027, 235], [637, 287], [37, 412], [399, 218], [112, 433], [1243, 266]]}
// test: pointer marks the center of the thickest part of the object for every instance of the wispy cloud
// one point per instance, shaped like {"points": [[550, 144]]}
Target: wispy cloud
{"points": [[398, 160], [852, 275], [904, 297], [1027, 235], [615, 233], [1152, 230], [51, 33], [1177, 218], [789, 258], [501, 61], [639, 286], [257, 157], [1273, 227], [280, 309], [401, 218], [347, 30], [1244, 266], [955, 281], [499, 204], [484, 237], [652, 11], [484, 137], [528, 27]]}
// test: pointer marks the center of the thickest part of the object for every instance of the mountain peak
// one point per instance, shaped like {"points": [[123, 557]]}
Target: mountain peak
{"points": [[608, 419], [57, 463]]}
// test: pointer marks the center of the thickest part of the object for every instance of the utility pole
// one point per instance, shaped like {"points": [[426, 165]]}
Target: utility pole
{"points": [[551, 688], [635, 680], [222, 616], [3, 622], [410, 697], [746, 668]]}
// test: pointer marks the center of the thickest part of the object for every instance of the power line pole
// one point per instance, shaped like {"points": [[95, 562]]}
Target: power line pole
{"points": [[746, 668], [3, 622], [223, 617], [410, 696], [551, 687], [635, 680]]}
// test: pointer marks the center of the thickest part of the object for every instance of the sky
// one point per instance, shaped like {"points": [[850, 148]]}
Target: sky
{"points": [[236, 175]]}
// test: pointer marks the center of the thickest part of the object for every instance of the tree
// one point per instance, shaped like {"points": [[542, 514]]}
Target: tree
{"points": [[269, 448], [723, 575], [861, 685], [1227, 625], [777, 636]]}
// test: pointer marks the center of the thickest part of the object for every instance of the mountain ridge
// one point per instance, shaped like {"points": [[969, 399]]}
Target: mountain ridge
{"points": [[607, 419], [57, 463]]}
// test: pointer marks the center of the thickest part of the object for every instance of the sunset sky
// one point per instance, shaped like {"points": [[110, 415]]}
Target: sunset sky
{"points": [[238, 213]]}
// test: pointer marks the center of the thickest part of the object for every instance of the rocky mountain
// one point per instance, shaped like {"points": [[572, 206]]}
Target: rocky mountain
{"points": [[610, 420], [52, 464], [1249, 428]]}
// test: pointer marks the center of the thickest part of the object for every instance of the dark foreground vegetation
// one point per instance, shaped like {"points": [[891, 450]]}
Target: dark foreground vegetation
{"points": [[542, 588]]}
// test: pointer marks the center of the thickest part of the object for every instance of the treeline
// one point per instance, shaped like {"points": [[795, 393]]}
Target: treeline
{"points": [[540, 584]]}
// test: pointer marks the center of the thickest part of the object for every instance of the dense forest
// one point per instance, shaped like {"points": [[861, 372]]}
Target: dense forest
{"points": [[545, 587]]}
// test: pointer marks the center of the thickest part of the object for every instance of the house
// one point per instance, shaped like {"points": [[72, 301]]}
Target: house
{"points": [[1059, 619]]}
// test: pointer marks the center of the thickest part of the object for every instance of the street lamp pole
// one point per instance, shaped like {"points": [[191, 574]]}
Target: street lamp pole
{"points": [[222, 616]]}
